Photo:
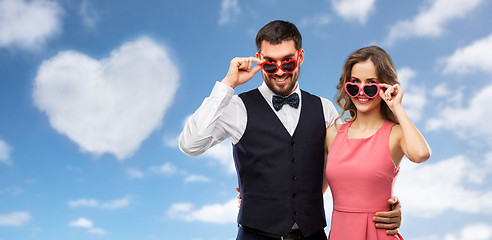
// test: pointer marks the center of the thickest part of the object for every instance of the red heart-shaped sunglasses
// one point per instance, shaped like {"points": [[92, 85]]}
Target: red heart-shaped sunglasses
{"points": [[286, 66]]}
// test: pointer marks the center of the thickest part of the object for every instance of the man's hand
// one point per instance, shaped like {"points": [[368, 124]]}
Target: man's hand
{"points": [[238, 198], [390, 220], [241, 70]]}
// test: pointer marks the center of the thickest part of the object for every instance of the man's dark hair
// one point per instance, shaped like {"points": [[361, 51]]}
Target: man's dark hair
{"points": [[277, 31]]}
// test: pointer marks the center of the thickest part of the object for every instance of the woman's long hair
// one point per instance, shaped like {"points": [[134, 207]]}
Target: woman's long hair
{"points": [[385, 71]]}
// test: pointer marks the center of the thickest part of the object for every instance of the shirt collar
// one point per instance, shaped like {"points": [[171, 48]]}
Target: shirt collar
{"points": [[268, 94]]}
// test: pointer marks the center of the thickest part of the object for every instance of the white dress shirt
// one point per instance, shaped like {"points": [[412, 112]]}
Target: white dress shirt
{"points": [[223, 116]]}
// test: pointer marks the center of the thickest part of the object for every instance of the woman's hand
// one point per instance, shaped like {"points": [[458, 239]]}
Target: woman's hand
{"points": [[393, 95]]}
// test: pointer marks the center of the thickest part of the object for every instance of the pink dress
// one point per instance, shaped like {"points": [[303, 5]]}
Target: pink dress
{"points": [[361, 175]]}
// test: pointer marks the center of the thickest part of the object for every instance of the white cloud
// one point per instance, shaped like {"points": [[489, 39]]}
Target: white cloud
{"points": [[93, 203], [479, 231], [178, 209], [222, 154], [135, 173], [229, 11], [405, 74], [444, 186], [488, 161], [414, 99], [215, 213], [442, 90], [165, 169], [75, 169], [5, 153], [414, 102], [86, 223], [14, 219], [171, 141], [471, 58], [431, 19], [28, 24], [81, 223], [467, 121], [83, 203], [317, 20], [98, 231], [109, 105], [447, 95], [196, 178], [115, 204], [14, 190], [357, 10], [88, 13]]}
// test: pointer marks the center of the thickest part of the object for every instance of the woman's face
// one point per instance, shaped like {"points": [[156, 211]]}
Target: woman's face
{"points": [[365, 73]]}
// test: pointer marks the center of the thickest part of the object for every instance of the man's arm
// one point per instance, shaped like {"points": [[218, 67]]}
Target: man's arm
{"points": [[217, 119], [390, 220], [203, 129]]}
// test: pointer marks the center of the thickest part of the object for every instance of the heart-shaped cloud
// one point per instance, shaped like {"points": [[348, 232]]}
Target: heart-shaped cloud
{"points": [[110, 105]]}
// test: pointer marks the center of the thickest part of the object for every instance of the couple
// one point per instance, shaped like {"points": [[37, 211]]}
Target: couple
{"points": [[288, 149]]}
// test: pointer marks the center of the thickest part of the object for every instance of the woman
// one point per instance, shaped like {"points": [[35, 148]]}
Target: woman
{"points": [[364, 154]]}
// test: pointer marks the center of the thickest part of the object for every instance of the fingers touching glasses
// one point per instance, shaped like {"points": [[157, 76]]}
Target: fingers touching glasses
{"points": [[245, 63]]}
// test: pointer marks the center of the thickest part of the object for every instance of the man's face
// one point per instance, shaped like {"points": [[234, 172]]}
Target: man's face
{"points": [[281, 83]]}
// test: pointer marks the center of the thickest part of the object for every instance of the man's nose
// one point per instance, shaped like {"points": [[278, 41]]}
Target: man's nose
{"points": [[280, 71]]}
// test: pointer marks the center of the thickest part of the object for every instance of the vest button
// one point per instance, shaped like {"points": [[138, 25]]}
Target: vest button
{"points": [[292, 143], [293, 160], [293, 195], [294, 178], [295, 213]]}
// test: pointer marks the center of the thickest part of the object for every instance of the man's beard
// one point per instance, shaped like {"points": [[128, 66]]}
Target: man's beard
{"points": [[284, 92]]}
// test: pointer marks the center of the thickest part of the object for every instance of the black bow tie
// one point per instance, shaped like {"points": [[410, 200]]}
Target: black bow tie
{"points": [[292, 100]]}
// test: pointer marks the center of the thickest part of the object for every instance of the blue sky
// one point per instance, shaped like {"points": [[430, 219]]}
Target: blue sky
{"points": [[93, 95]]}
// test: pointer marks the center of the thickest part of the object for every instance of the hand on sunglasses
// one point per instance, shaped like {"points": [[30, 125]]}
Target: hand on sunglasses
{"points": [[241, 70], [392, 95]]}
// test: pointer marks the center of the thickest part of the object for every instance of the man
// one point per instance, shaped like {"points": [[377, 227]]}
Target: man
{"points": [[278, 149]]}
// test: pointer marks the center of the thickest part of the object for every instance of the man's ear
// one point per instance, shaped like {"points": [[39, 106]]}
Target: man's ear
{"points": [[301, 56], [258, 55]]}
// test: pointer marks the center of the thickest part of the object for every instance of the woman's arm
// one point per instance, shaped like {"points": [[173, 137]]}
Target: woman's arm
{"points": [[412, 142]]}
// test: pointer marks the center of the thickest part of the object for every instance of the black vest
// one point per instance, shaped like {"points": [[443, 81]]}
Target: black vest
{"points": [[281, 176]]}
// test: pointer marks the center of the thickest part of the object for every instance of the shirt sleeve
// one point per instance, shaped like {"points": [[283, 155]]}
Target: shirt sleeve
{"points": [[329, 111], [221, 116]]}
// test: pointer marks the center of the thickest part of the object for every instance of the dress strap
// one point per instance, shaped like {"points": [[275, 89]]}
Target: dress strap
{"points": [[387, 126], [344, 127]]}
